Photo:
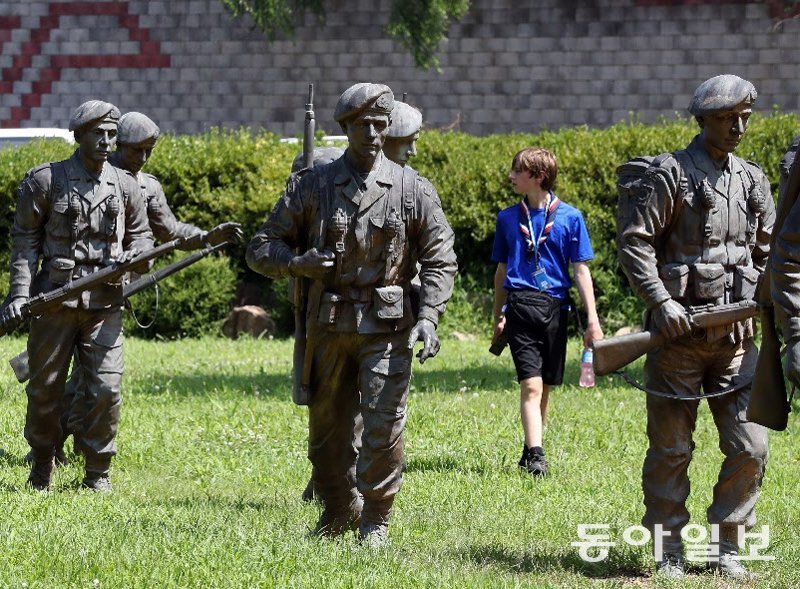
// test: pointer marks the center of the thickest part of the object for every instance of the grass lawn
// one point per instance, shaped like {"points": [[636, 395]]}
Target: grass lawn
{"points": [[212, 464]]}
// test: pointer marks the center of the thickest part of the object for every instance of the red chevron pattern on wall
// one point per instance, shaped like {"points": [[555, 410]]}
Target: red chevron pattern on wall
{"points": [[42, 78]]}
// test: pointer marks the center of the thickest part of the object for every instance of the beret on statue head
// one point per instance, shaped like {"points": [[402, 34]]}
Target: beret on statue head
{"points": [[375, 98], [91, 111], [721, 93], [134, 128], [406, 120]]}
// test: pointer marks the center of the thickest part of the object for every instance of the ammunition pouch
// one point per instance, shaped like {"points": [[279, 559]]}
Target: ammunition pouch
{"points": [[745, 280], [388, 302], [709, 281], [60, 270], [675, 278]]}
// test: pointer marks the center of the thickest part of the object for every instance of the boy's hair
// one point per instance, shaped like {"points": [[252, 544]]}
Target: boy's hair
{"points": [[536, 160]]}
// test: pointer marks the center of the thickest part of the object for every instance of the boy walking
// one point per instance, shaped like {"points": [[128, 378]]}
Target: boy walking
{"points": [[535, 242]]}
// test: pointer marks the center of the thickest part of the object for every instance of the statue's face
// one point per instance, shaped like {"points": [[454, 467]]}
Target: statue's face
{"points": [[133, 156], [97, 141], [723, 130], [401, 149], [366, 134]]}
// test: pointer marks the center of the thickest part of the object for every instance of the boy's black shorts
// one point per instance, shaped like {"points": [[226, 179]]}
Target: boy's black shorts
{"points": [[536, 328]]}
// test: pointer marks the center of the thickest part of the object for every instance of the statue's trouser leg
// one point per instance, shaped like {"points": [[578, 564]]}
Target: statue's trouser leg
{"points": [[332, 422], [384, 375], [675, 368], [51, 342], [73, 405], [743, 443], [101, 359]]}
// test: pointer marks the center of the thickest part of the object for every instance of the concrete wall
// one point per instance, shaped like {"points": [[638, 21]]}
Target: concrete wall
{"points": [[508, 66]]}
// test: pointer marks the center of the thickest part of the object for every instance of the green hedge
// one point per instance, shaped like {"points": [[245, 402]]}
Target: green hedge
{"points": [[224, 175]]}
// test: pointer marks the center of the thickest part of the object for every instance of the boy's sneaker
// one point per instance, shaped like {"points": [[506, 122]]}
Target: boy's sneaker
{"points": [[537, 465], [533, 462]]}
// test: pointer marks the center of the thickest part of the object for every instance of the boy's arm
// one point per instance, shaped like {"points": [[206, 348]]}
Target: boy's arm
{"points": [[499, 300], [583, 281]]}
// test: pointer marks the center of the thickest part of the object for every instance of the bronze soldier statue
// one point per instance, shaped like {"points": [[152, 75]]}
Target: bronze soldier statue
{"points": [[695, 231], [401, 140], [76, 216], [136, 139], [399, 146], [785, 262], [362, 223]]}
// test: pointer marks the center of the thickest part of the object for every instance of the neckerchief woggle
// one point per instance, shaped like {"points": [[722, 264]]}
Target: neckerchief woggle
{"points": [[533, 242]]}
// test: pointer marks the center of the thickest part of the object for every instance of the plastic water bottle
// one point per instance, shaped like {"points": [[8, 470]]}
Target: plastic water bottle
{"points": [[587, 369]]}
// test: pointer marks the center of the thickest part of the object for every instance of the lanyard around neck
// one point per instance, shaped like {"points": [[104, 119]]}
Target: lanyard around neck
{"points": [[533, 241]]}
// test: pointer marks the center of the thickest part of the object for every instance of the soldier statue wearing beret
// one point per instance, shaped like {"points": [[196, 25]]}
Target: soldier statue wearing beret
{"points": [[695, 231], [361, 224], [75, 216], [136, 138], [401, 139]]}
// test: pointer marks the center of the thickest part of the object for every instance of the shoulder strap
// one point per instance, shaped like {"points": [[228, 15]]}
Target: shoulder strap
{"points": [[408, 186], [58, 178]]}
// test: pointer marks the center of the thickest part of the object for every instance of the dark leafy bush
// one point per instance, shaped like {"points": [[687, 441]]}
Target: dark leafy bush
{"points": [[223, 175], [191, 303]]}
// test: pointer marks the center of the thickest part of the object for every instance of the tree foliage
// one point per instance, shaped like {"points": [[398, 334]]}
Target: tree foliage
{"points": [[419, 25]]}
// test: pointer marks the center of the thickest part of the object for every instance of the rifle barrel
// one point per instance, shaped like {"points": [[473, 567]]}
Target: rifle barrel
{"points": [[148, 280], [42, 302]]}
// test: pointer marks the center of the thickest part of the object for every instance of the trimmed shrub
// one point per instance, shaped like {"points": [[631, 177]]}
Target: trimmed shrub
{"points": [[238, 175], [191, 303]]}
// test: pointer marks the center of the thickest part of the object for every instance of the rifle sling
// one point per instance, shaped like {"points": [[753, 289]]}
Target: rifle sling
{"points": [[635, 384], [129, 306]]}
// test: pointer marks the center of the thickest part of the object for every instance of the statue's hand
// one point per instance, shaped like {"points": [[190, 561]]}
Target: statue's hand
{"points": [[424, 331], [670, 318], [314, 263], [793, 361], [11, 315], [127, 255], [229, 231]]}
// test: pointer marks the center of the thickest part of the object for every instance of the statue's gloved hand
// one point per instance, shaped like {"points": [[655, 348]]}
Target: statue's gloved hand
{"points": [[128, 255], [229, 231], [424, 331], [671, 319], [793, 361], [313, 264], [11, 315]]}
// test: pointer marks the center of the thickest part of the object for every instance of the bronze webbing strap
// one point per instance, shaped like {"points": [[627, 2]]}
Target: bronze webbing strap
{"points": [[635, 384]]}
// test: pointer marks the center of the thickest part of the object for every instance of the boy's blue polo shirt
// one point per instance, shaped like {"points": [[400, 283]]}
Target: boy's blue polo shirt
{"points": [[567, 243]]}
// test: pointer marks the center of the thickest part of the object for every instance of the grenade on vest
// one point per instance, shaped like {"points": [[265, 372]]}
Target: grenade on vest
{"points": [[756, 200], [74, 214], [393, 232]]}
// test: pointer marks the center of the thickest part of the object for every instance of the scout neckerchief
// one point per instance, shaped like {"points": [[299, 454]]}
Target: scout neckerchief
{"points": [[533, 242]]}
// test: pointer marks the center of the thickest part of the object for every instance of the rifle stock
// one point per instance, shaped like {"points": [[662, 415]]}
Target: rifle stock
{"points": [[769, 402], [611, 354], [301, 394]]}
